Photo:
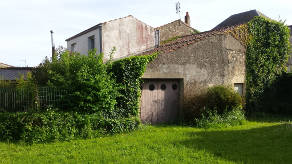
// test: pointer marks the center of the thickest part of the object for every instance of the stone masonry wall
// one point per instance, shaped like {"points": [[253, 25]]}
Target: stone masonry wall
{"points": [[173, 29]]}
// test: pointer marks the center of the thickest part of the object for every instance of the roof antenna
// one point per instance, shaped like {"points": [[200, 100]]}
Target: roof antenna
{"points": [[177, 7], [53, 45]]}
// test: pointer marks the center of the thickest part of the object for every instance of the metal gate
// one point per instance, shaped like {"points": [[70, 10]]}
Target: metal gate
{"points": [[160, 101]]}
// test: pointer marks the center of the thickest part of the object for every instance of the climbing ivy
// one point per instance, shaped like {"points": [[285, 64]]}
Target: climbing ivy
{"points": [[266, 57], [128, 73]]}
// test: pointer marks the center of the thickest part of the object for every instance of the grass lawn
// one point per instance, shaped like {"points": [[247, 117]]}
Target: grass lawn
{"points": [[255, 142]]}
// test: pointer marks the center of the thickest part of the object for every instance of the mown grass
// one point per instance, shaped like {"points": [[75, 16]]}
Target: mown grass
{"points": [[254, 142]]}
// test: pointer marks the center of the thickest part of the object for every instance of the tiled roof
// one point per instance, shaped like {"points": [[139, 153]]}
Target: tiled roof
{"points": [[186, 40], [239, 18], [14, 73]]}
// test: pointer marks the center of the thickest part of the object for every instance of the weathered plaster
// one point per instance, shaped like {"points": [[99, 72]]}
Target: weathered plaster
{"points": [[216, 60]]}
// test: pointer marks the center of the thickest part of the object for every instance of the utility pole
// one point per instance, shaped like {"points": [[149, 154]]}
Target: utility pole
{"points": [[53, 45]]}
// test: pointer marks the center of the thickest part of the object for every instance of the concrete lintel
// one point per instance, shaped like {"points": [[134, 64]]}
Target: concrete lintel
{"points": [[162, 76]]}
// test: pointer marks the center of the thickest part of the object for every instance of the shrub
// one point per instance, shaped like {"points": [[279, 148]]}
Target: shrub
{"points": [[211, 119], [62, 126], [221, 99]]}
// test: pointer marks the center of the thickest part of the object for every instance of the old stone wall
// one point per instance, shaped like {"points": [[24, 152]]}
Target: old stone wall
{"points": [[173, 29], [216, 60]]}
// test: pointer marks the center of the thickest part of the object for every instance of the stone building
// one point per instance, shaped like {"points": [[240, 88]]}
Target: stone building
{"points": [[128, 35], [185, 68], [175, 29]]}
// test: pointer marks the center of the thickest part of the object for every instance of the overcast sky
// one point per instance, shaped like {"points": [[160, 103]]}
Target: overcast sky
{"points": [[25, 24]]}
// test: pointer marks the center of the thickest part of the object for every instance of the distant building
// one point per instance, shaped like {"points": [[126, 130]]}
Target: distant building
{"points": [[128, 35], [2, 65], [240, 18], [13, 74]]}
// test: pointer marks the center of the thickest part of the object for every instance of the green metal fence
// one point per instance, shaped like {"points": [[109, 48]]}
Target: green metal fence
{"points": [[22, 100]]}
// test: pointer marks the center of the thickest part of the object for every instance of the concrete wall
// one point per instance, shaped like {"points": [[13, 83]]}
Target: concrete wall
{"points": [[128, 35], [173, 29], [81, 42], [218, 59]]}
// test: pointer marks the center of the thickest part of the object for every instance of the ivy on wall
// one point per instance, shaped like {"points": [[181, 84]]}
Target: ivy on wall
{"points": [[128, 73], [266, 57]]}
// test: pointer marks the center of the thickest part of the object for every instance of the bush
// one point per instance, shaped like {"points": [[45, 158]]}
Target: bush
{"points": [[211, 119], [62, 126], [221, 99]]}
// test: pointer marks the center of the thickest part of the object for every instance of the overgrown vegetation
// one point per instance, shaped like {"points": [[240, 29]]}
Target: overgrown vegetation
{"points": [[211, 119], [100, 98], [51, 125], [266, 58], [218, 107]]}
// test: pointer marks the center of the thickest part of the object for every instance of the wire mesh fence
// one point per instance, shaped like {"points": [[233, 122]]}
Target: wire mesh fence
{"points": [[22, 100]]}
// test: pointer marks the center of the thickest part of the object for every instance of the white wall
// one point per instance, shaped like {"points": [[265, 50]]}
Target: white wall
{"points": [[82, 42], [127, 34]]}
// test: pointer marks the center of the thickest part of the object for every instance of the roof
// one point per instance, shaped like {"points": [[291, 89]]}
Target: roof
{"points": [[2, 65], [186, 40], [14, 73], [239, 18], [93, 28]]}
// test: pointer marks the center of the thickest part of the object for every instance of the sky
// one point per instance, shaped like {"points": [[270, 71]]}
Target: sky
{"points": [[25, 24]]}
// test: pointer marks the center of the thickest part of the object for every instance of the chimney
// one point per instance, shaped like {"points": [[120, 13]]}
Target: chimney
{"points": [[187, 19]]}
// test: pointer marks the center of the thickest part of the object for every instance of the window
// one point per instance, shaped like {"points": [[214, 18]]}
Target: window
{"points": [[238, 87], [91, 43], [73, 46], [157, 38]]}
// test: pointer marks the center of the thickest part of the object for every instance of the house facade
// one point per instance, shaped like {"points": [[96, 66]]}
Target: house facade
{"points": [[128, 35], [185, 68]]}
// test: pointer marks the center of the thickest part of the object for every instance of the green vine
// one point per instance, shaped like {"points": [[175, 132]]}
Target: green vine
{"points": [[266, 58], [128, 73]]}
